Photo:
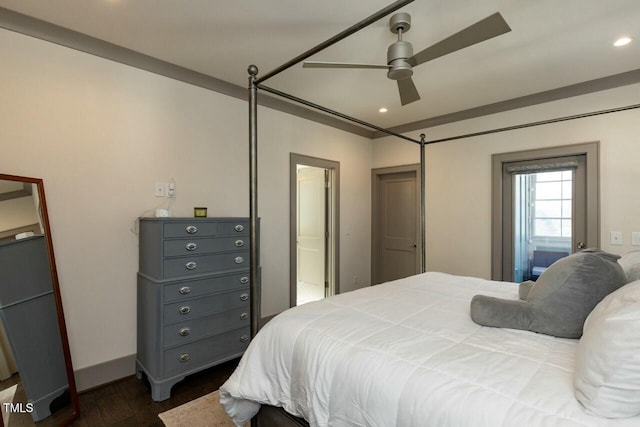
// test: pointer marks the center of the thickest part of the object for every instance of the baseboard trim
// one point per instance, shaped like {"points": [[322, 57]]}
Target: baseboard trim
{"points": [[104, 373]]}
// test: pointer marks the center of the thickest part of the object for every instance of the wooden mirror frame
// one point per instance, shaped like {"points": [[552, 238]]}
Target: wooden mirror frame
{"points": [[73, 393]]}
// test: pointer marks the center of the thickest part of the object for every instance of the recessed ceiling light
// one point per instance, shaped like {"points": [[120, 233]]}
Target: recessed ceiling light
{"points": [[622, 41], [383, 110]]}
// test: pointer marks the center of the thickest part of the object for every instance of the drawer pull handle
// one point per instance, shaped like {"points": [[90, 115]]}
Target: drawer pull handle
{"points": [[238, 260], [244, 316], [192, 229], [244, 297], [191, 265], [239, 243], [184, 332], [184, 357], [185, 290], [239, 228], [244, 338], [244, 280], [191, 246], [185, 310]]}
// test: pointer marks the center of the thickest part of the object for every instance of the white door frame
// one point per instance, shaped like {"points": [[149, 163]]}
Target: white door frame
{"points": [[333, 259]]}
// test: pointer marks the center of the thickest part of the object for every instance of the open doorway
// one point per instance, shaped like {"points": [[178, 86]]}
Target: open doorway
{"points": [[314, 189]]}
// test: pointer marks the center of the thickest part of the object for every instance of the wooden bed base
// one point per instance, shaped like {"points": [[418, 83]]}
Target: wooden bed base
{"points": [[272, 416]]}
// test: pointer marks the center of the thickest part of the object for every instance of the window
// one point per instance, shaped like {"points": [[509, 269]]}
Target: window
{"points": [[551, 207]]}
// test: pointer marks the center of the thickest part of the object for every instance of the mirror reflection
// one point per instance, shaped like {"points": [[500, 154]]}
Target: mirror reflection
{"points": [[36, 378]]}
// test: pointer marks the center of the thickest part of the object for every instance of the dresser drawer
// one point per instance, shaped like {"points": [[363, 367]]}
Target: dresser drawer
{"points": [[198, 246], [203, 306], [190, 288], [207, 351], [192, 330], [184, 266], [195, 228]]}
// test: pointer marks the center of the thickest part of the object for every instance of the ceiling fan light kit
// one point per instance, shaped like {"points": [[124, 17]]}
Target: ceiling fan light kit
{"points": [[401, 59]]}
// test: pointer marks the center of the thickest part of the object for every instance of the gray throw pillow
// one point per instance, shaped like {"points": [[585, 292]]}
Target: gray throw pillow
{"points": [[560, 300]]}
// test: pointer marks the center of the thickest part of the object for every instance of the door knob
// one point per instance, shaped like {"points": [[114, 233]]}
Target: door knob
{"points": [[581, 245]]}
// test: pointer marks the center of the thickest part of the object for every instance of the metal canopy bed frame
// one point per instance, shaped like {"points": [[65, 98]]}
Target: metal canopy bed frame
{"points": [[271, 416], [256, 83]]}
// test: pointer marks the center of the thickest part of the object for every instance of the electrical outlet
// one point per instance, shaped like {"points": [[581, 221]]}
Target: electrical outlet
{"points": [[171, 190], [616, 237], [635, 238], [161, 189]]}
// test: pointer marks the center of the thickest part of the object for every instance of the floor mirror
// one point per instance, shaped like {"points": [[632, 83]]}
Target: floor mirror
{"points": [[36, 375]]}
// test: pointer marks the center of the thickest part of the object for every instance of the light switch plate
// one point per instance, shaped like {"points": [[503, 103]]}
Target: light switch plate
{"points": [[160, 189], [635, 238], [616, 237]]}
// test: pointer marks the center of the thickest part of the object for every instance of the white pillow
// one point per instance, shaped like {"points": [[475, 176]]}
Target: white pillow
{"points": [[607, 377], [630, 263]]}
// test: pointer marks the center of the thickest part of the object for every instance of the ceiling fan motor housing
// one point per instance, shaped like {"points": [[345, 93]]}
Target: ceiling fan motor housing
{"points": [[398, 56], [400, 21]]}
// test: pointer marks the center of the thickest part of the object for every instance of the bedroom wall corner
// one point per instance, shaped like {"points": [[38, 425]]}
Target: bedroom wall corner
{"points": [[458, 184], [101, 134]]}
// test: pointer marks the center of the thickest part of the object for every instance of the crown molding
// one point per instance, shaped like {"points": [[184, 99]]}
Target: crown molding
{"points": [[62, 36], [583, 88]]}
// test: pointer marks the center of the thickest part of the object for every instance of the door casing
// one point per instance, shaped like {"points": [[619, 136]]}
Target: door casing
{"points": [[334, 229], [591, 204]]}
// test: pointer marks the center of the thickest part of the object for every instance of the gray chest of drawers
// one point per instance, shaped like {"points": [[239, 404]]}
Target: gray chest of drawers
{"points": [[193, 297]]}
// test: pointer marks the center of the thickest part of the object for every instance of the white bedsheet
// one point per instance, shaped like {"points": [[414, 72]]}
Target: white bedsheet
{"points": [[406, 353]]}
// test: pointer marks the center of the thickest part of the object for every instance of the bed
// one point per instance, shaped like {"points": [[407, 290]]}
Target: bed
{"points": [[406, 353]]}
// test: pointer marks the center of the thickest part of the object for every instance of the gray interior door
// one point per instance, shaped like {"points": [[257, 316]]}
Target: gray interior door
{"points": [[395, 253], [544, 212], [560, 208]]}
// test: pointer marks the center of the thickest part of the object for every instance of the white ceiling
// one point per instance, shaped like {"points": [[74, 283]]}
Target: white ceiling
{"points": [[552, 44]]}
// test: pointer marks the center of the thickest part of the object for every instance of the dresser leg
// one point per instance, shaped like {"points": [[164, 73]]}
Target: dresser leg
{"points": [[161, 390], [139, 373]]}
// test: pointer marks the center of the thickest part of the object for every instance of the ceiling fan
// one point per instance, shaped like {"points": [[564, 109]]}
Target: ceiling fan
{"points": [[400, 57]]}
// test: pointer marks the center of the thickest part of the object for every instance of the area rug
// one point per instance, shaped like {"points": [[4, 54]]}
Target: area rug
{"points": [[204, 411]]}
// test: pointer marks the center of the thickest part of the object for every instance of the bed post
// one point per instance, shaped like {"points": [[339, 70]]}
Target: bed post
{"points": [[254, 253], [253, 203], [423, 263]]}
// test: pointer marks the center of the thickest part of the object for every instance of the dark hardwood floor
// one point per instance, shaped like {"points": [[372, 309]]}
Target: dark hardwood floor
{"points": [[128, 402]]}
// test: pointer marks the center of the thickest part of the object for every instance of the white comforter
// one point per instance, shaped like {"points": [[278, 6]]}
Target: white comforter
{"points": [[406, 353]]}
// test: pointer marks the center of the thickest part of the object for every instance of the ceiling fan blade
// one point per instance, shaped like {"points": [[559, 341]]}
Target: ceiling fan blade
{"points": [[408, 91], [482, 30], [324, 64]]}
